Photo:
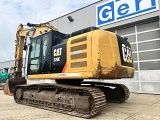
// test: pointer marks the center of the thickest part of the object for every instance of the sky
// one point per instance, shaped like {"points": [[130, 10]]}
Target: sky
{"points": [[14, 12]]}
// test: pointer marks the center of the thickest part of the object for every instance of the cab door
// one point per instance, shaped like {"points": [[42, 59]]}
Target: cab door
{"points": [[34, 59], [39, 61]]}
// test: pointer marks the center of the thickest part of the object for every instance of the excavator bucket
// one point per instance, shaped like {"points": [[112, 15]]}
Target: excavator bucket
{"points": [[12, 83]]}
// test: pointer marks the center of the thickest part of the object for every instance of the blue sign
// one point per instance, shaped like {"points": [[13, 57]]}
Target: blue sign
{"points": [[116, 10]]}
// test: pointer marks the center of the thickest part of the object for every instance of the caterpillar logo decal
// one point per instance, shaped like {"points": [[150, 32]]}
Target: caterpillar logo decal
{"points": [[127, 54], [57, 54]]}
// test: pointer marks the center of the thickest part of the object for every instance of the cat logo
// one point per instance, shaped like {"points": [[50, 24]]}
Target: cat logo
{"points": [[58, 52], [127, 54]]}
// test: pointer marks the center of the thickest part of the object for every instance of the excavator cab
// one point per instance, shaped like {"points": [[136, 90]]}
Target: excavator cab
{"points": [[40, 53]]}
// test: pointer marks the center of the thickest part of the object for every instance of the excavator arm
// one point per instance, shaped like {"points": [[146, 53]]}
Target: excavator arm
{"points": [[20, 43], [16, 77], [33, 30]]}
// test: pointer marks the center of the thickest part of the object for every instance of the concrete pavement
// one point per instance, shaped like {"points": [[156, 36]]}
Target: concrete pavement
{"points": [[137, 107]]}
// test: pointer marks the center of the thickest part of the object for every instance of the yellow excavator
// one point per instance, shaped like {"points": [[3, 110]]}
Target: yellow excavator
{"points": [[80, 63]]}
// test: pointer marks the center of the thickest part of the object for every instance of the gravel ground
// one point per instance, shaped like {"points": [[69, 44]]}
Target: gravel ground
{"points": [[138, 107]]}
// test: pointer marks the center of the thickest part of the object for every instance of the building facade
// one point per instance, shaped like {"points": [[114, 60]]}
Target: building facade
{"points": [[6, 66], [136, 19]]}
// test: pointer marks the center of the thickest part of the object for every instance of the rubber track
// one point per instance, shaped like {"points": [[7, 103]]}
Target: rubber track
{"points": [[96, 93]]}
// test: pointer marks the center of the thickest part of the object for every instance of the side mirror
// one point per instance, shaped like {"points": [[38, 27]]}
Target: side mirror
{"points": [[25, 47]]}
